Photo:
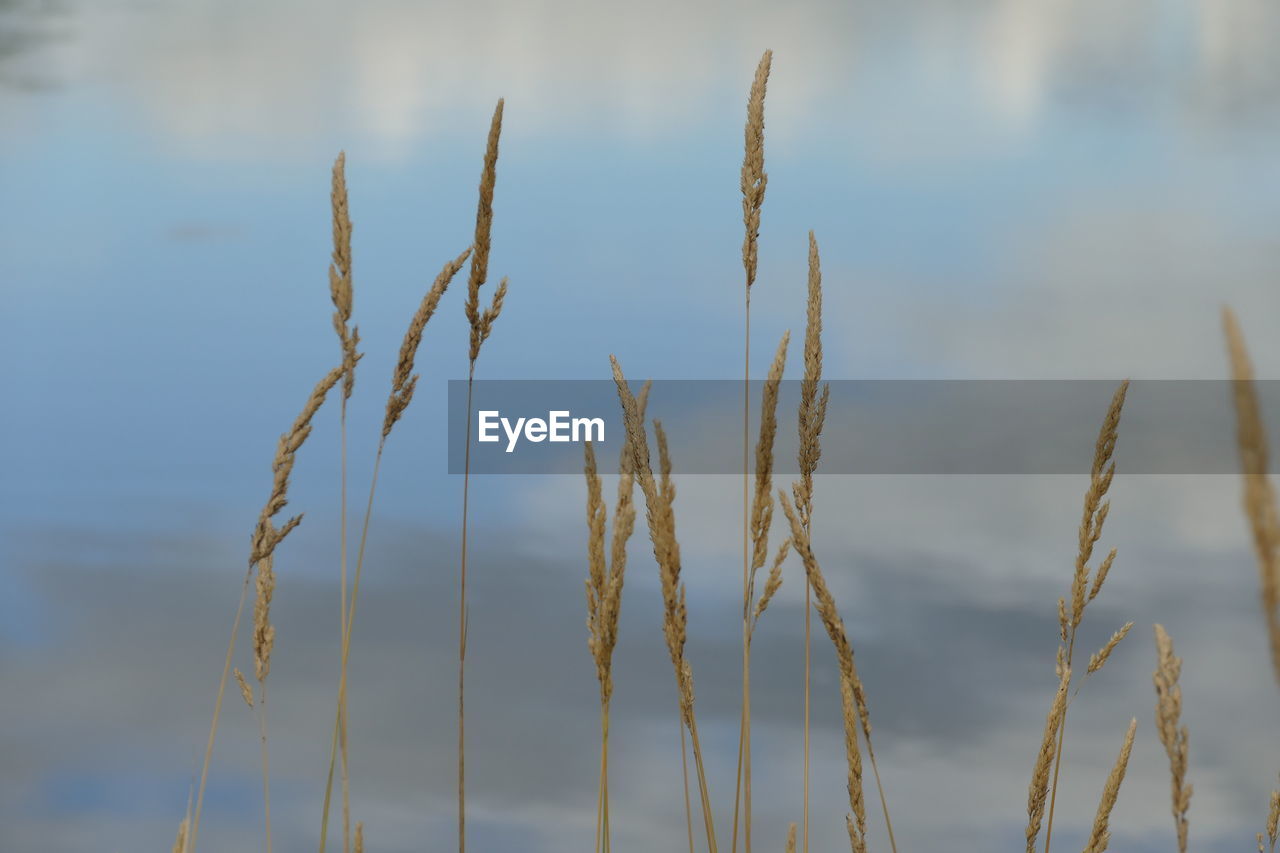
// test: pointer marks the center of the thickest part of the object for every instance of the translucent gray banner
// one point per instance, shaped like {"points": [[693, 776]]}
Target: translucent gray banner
{"points": [[872, 426]]}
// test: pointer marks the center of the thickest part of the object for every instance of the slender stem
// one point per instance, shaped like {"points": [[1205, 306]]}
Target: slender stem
{"points": [[1057, 756], [884, 805], [217, 708], [266, 773], [737, 791], [600, 783], [462, 626], [707, 819], [743, 785], [604, 776], [808, 647], [342, 598], [688, 806], [600, 800], [346, 643], [746, 765]]}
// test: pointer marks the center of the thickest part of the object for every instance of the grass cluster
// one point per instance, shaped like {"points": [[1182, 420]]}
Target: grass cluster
{"points": [[608, 533]]}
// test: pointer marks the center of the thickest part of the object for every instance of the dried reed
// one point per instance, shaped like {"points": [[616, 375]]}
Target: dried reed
{"points": [[341, 292], [753, 181], [1101, 836], [180, 843], [604, 593], [852, 695], [811, 417], [1168, 714], [245, 690], [266, 537], [1259, 496], [1094, 515], [403, 384], [1273, 825], [1038, 790], [659, 498], [481, 323], [761, 521]]}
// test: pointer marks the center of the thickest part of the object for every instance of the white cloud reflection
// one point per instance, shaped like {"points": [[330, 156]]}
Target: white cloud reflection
{"points": [[220, 76]]}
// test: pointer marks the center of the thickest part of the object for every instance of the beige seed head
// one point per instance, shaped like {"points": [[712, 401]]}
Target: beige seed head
{"points": [[1095, 507], [605, 580], [1101, 835], [1038, 790], [404, 381], [245, 690], [1259, 496], [264, 633], [762, 502], [754, 178], [813, 405], [180, 844], [266, 536], [774, 581], [827, 611], [482, 323], [1273, 821], [659, 512], [1099, 658], [852, 695], [1168, 714], [340, 287]]}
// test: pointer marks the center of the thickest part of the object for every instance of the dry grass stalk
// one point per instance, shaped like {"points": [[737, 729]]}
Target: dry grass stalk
{"points": [[1099, 658], [852, 694], [180, 843], [813, 400], [266, 537], [604, 593], [342, 294], [360, 837], [773, 583], [754, 179], [1038, 790], [753, 182], [481, 323], [762, 502], [1273, 824], [1070, 614], [659, 497], [812, 416], [1259, 496], [1168, 714], [791, 839], [245, 690], [761, 521], [1101, 835], [403, 383], [340, 287]]}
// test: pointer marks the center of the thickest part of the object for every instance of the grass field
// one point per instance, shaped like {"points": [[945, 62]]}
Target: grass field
{"points": [[780, 547]]}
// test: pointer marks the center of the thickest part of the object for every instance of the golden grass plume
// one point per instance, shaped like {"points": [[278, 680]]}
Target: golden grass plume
{"points": [[1259, 495], [1100, 836], [1174, 738]]}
